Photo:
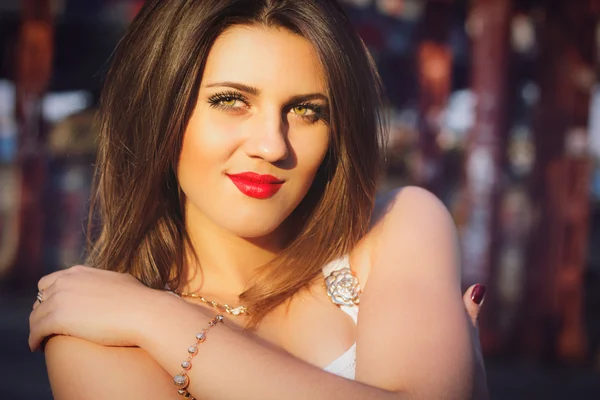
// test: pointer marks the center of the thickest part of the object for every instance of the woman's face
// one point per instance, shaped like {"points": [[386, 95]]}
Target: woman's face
{"points": [[258, 134]]}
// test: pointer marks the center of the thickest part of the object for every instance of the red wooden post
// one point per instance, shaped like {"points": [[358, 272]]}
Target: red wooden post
{"points": [[489, 25], [434, 59], [552, 321], [33, 70], [568, 188]]}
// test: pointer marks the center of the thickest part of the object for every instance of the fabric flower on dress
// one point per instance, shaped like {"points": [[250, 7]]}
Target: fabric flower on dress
{"points": [[343, 287]]}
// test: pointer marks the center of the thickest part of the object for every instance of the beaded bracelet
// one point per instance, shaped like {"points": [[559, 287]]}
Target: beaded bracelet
{"points": [[182, 380]]}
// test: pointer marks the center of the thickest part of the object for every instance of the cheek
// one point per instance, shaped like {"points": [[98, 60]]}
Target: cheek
{"points": [[203, 154], [207, 144], [310, 151]]}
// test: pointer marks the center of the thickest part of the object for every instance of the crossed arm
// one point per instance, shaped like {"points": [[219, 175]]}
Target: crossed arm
{"points": [[414, 340]]}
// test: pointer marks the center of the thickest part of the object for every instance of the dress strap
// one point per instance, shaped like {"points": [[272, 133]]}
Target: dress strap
{"points": [[336, 265]]}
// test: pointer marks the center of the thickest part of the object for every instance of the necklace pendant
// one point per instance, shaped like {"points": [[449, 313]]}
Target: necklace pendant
{"points": [[237, 310]]}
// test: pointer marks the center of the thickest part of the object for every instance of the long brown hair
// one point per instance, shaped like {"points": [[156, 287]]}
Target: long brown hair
{"points": [[148, 98]]}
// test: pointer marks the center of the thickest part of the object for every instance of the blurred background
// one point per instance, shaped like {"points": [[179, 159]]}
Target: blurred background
{"points": [[494, 105]]}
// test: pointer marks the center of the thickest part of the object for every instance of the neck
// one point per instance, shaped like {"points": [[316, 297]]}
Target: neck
{"points": [[222, 264]]}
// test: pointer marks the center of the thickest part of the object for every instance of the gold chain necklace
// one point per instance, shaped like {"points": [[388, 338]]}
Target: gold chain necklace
{"points": [[235, 311]]}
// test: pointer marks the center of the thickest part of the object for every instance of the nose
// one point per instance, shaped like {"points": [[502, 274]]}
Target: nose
{"points": [[267, 138]]}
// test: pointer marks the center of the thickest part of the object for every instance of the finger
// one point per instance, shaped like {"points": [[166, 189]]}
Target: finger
{"points": [[473, 299], [48, 292], [43, 321], [40, 311], [46, 281], [43, 328], [41, 297], [49, 279]]}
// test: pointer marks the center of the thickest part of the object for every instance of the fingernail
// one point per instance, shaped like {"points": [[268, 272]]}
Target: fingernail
{"points": [[478, 294]]}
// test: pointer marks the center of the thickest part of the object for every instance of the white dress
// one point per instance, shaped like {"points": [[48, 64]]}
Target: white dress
{"points": [[344, 365]]}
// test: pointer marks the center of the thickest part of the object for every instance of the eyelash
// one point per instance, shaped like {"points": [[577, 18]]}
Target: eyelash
{"points": [[215, 100]]}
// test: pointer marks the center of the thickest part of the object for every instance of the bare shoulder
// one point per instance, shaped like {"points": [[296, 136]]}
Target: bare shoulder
{"points": [[407, 199], [413, 332], [79, 369], [410, 218]]}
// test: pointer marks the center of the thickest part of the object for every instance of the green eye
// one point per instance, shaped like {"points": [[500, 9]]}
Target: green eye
{"points": [[228, 101], [301, 110]]}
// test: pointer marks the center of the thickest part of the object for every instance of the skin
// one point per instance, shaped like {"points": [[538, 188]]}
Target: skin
{"points": [[414, 339], [268, 133]]}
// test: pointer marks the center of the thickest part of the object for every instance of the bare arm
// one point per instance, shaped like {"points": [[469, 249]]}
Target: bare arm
{"points": [[81, 370], [231, 365], [413, 336], [405, 350]]}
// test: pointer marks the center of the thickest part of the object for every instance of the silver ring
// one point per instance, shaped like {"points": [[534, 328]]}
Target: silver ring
{"points": [[39, 296]]}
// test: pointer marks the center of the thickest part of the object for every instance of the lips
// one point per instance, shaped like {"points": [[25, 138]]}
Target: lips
{"points": [[256, 185]]}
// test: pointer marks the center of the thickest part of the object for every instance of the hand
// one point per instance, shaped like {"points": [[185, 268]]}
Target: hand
{"points": [[103, 307], [473, 299]]}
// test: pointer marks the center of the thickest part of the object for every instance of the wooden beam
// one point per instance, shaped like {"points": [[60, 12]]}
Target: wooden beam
{"points": [[551, 323], [489, 26], [434, 58], [33, 72]]}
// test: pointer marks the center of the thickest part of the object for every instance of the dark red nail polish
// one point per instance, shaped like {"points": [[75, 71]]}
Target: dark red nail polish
{"points": [[478, 294]]}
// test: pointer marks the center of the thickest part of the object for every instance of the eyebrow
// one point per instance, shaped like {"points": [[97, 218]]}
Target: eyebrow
{"points": [[239, 86], [256, 92], [307, 97]]}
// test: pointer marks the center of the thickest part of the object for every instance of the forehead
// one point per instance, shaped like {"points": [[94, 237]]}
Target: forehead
{"points": [[265, 57]]}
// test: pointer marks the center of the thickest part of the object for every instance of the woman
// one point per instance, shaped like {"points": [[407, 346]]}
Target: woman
{"points": [[238, 158]]}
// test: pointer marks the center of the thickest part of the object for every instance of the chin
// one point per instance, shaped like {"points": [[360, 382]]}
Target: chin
{"points": [[243, 220], [253, 231], [252, 226]]}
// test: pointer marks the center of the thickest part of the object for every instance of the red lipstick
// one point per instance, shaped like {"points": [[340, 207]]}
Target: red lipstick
{"points": [[255, 185]]}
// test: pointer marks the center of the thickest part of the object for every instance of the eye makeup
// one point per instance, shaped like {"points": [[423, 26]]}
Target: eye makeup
{"points": [[221, 100], [307, 111]]}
